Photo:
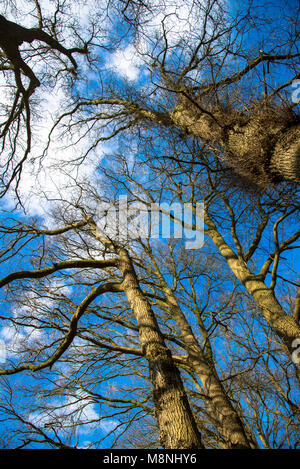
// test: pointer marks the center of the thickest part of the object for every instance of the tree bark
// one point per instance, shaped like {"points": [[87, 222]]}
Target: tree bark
{"points": [[283, 325], [231, 425], [232, 428], [285, 160], [264, 147], [177, 426]]}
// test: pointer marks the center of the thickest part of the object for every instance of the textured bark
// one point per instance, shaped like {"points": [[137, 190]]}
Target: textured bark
{"points": [[285, 160], [177, 426], [264, 147], [283, 325], [231, 425]]}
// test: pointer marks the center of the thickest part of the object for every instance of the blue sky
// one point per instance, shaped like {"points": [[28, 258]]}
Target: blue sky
{"points": [[124, 66]]}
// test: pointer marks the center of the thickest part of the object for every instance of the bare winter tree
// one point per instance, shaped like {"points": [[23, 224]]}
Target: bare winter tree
{"points": [[168, 391], [22, 50], [106, 332], [166, 295], [230, 95]]}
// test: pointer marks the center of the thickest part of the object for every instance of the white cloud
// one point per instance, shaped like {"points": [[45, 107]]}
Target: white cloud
{"points": [[54, 176], [72, 409], [126, 62], [177, 17], [23, 13], [174, 19], [19, 338], [13, 339], [108, 425], [2, 351]]}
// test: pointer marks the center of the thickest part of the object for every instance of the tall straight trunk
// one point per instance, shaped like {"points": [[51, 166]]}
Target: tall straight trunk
{"points": [[231, 426], [285, 326], [177, 426], [176, 422]]}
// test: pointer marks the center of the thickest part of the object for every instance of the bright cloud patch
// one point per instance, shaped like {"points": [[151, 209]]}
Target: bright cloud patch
{"points": [[108, 426], [54, 177], [2, 351], [72, 410], [126, 63]]}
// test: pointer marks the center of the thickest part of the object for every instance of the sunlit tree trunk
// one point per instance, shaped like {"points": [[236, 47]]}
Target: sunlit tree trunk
{"points": [[231, 425], [177, 426], [285, 160], [265, 148], [284, 325]]}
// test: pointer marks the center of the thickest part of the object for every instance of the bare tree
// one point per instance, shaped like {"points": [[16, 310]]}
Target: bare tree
{"points": [[201, 88], [168, 391], [20, 50], [198, 345]]}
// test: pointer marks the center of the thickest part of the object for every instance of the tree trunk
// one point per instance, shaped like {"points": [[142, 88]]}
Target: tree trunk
{"points": [[283, 325], [231, 425], [265, 148], [285, 160], [177, 426]]}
